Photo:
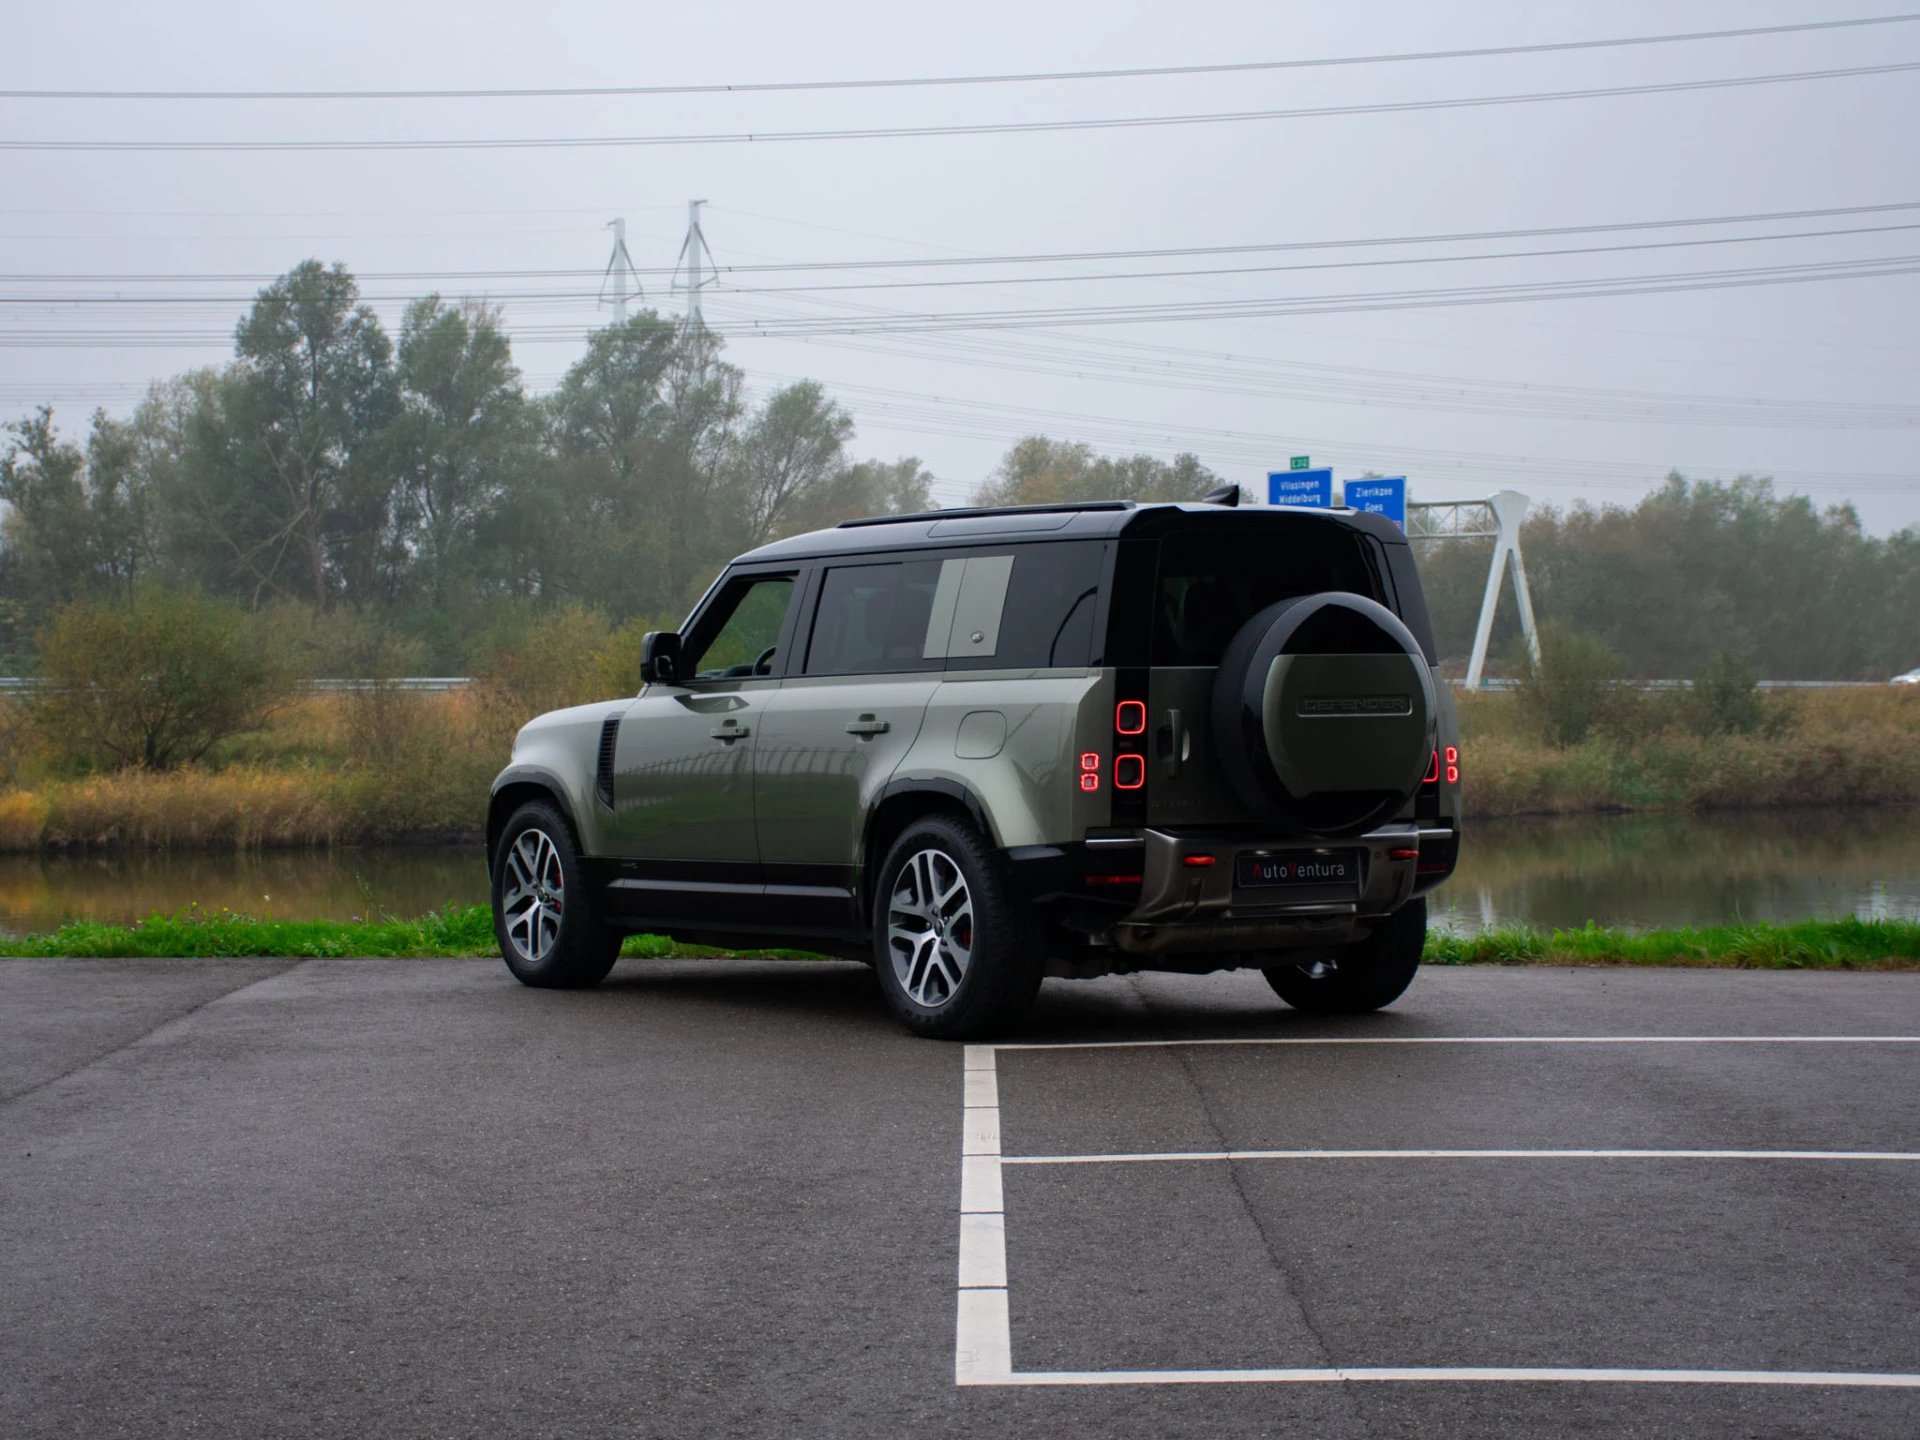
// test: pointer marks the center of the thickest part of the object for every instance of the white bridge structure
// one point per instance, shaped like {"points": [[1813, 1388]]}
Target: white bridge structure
{"points": [[1496, 518]]}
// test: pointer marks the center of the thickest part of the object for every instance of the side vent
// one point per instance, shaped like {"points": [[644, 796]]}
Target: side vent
{"points": [[603, 773]]}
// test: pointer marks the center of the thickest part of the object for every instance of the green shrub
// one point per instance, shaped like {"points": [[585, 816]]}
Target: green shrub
{"points": [[536, 661], [1725, 699], [153, 680], [1575, 687]]}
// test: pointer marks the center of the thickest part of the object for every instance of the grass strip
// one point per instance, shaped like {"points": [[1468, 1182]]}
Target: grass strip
{"points": [[457, 930], [1801, 945], [467, 930]]}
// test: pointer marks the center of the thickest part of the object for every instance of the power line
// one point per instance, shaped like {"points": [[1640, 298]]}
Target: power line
{"points": [[1214, 372], [906, 132], [915, 82], [967, 258], [1032, 258], [383, 214], [1869, 267], [1359, 302], [146, 237], [1443, 238], [1216, 271], [1203, 272], [957, 255]]}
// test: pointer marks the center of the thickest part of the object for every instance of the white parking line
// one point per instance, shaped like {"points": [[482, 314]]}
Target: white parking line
{"points": [[983, 1090], [983, 1251], [1151, 1157], [983, 1329], [1468, 1040], [1425, 1374], [980, 1185]]}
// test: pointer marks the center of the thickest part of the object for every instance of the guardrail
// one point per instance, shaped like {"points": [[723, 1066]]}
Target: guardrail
{"points": [[461, 682], [405, 682], [1511, 684]]}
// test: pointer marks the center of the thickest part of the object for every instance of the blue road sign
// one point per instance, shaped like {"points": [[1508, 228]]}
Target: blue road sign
{"points": [[1300, 487], [1386, 497]]}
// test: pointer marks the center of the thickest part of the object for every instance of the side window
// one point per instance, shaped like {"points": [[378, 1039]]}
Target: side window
{"points": [[873, 618], [736, 639], [1029, 606]]}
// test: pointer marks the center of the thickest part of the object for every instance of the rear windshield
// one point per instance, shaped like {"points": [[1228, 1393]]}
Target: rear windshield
{"points": [[1213, 580]]}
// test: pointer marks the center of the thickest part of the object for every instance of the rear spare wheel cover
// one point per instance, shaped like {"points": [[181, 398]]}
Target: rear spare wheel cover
{"points": [[1323, 712]]}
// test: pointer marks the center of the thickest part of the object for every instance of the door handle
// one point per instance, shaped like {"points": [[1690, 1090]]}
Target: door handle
{"points": [[867, 725], [731, 730]]}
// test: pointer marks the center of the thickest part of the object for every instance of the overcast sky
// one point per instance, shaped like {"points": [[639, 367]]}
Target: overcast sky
{"points": [[1814, 383]]}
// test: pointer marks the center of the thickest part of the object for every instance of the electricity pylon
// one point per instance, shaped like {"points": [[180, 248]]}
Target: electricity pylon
{"points": [[692, 251], [619, 267]]}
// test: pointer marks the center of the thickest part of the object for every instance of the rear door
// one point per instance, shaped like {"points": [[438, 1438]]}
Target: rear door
{"points": [[1214, 573], [849, 709]]}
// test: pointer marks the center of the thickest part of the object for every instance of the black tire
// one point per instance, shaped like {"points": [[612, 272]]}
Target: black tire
{"points": [[571, 947], [1004, 948], [1369, 974]]}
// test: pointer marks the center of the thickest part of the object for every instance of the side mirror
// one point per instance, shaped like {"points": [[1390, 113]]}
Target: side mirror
{"points": [[660, 657]]}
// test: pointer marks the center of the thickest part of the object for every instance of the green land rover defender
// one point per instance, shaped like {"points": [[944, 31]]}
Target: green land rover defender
{"points": [[976, 748]]}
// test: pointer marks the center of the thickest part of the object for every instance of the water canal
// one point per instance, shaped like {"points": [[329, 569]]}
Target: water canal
{"points": [[1643, 871]]}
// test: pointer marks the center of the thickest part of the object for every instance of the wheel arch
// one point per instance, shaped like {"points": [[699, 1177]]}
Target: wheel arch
{"points": [[516, 787], [901, 804]]}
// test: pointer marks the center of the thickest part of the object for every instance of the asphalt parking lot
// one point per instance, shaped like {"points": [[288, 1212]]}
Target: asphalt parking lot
{"points": [[412, 1198]]}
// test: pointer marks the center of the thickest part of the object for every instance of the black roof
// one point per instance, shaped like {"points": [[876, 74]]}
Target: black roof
{"points": [[1091, 520]]}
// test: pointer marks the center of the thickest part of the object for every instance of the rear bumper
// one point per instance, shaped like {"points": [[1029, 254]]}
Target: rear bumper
{"points": [[1170, 891]]}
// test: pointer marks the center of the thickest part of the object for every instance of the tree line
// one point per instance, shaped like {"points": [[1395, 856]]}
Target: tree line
{"points": [[334, 467], [1697, 572], [413, 482]]}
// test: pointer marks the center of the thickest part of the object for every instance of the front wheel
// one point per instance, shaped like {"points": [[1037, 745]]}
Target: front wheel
{"points": [[543, 916], [957, 954], [1366, 975]]}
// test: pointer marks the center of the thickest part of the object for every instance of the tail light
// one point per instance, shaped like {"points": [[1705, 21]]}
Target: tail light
{"points": [[1452, 767], [1130, 745], [1090, 770]]}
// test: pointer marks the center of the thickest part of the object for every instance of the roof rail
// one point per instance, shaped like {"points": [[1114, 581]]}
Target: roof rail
{"points": [[968, 512]]}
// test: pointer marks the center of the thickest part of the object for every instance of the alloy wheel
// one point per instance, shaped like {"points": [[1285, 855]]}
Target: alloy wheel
{"points": [[930, 927], [533, 895]]}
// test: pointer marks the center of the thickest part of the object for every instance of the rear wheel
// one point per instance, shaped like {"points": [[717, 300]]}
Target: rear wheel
{"points": [[1366, 975], [543, 917], [957, 955]]}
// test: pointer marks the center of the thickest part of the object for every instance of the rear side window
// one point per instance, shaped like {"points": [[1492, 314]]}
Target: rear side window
{"points": [[1028, 606], [1213, 580], [1023, 607]]}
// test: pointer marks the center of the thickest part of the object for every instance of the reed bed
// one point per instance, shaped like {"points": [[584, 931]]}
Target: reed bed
{"points": [[1824, 747], [386, 764]]}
